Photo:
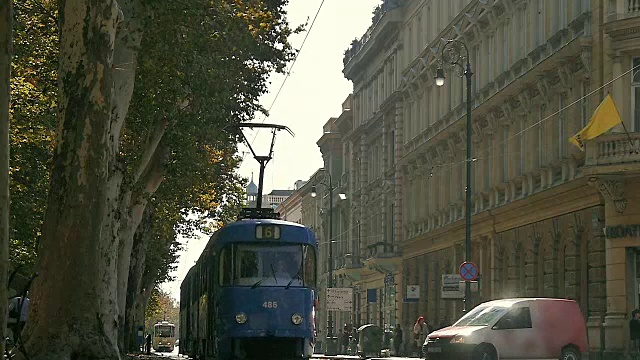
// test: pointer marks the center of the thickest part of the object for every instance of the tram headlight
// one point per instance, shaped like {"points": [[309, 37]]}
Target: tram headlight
{"points": [[241, 318], [296, 319]]}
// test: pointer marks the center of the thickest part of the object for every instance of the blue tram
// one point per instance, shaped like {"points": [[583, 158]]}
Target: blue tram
{"points": [[251, 293]]}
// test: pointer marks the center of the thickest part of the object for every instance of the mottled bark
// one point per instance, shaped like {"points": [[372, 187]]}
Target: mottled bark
{"points": [[74, 300], [132, 207], [134, 285], [5, 92], [126, 46]]}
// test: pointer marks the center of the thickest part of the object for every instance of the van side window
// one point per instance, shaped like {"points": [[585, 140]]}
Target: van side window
{"points": [[516, 318]]}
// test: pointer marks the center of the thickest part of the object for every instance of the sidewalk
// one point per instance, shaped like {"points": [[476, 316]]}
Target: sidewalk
{"points": [[353, 357]]}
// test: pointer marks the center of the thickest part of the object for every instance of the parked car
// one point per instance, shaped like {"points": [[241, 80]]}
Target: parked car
{"points": [[536, 328]]}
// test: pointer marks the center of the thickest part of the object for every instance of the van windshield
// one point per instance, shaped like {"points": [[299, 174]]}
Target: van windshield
{"points": [[482, 316]]}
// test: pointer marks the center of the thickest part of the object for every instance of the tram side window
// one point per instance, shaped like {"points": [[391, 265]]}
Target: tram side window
{"points": [[310, 266], [225, 266]]}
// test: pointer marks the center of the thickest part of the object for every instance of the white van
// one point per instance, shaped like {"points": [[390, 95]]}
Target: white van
{"points": [[525, 328]]}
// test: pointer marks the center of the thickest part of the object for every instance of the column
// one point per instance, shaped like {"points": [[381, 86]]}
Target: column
{"points": [[385, 198], [622, 211], [364, 215], [618, 90]]}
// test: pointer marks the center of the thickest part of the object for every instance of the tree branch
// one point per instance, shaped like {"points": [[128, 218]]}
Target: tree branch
{"points": [[151, 147]]}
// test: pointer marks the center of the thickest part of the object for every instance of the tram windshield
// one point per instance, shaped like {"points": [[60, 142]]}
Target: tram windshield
{"points": [[263, 264], [164, 330]]}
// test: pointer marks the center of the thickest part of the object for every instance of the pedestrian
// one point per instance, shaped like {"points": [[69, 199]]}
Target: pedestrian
{"points": [[18, 313], [344, 338], [397, 341], [634, 332], [148, 344], [420, 330]]}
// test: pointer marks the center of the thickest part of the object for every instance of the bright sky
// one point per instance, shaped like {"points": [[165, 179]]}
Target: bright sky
{"points": [[312, 94]]}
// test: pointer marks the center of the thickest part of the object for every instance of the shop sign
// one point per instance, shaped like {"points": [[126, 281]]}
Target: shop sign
{"points": [[451, 286], [620, 231]]}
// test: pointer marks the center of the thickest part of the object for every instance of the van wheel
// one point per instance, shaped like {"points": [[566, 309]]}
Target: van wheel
{"points": [[570, 353], [484, 352]]}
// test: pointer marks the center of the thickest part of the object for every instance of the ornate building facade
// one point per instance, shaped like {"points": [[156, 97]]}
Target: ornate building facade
{"points": [[548, 219]]}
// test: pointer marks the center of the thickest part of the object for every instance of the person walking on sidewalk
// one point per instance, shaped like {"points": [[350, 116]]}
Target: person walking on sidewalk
{"points": [[397, 341], [148, 344], [420, 330]]}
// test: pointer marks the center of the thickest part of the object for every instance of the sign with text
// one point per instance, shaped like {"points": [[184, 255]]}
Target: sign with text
{"points": [[451, 286], [339, 299], [413, 292]]}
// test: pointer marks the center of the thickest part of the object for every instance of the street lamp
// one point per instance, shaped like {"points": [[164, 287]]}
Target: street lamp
{"points": [[342, 196], [455, 56]]}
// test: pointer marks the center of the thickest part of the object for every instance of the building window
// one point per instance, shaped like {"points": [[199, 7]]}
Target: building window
{"points": [[541, 24], [635, 87], [584, 91], [505, 46], [541, 136], [488, 163], [523, 147], [505, 153], [392, 148], [562, 142]]}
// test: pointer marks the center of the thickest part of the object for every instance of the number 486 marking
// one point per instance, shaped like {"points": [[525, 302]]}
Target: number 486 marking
{"points": [[270, 304]]}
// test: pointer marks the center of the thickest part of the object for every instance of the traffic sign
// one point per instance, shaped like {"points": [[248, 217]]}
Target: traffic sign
{"points": [[468, 271]]}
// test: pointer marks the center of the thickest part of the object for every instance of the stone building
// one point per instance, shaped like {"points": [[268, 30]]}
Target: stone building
{"points": [[290, 209], [270, 200], [548, 219]]}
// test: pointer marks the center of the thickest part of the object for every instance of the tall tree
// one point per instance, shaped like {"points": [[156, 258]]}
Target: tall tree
{"points": [[73, 316], [211, 62], [6, 29]]}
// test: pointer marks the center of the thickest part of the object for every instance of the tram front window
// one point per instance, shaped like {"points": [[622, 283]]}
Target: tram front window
{"points": [[164, 331], [267, 265]]}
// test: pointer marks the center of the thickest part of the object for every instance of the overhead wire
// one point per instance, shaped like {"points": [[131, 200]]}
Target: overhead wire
{"points": [[288, 73]]}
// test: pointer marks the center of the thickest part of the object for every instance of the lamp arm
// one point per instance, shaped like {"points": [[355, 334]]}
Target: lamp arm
{"points": [[466, 54]]}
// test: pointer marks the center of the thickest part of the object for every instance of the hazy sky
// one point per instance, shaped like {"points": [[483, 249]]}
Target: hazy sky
{"points": [[312, 94]]}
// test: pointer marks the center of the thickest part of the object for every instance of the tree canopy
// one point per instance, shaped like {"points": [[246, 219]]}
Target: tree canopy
{"points": [[193, 69]]}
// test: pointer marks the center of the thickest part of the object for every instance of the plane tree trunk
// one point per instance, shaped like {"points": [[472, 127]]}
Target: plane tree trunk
{"points": [[72, 316], [134, 285], [133, 202]]}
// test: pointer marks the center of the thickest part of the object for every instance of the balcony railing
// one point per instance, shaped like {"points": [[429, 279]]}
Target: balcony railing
{"points": [[381, 249], [378, 14], [633, 7], [613, 149]]}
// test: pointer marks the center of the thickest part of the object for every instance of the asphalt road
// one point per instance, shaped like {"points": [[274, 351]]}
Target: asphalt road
{"points": [[175, 356]]}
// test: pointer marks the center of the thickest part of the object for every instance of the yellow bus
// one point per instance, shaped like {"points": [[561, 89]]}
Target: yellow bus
{"points": [[164, 336]]}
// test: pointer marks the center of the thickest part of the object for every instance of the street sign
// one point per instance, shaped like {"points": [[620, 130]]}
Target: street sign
{"points": [[389, 279], [451, 287], [468, 271], [472, 284], [339, 299], [405, 300], [413, 292]]}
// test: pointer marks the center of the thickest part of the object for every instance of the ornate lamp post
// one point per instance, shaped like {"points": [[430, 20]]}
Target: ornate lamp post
{"points": [[330, 345], [455, 53]]}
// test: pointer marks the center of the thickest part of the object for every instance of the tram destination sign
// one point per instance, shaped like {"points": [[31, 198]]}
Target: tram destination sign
{"points": [[339, 299]]}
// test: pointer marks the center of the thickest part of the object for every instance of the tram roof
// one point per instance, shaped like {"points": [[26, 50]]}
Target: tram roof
{"points": [[245, 231]]}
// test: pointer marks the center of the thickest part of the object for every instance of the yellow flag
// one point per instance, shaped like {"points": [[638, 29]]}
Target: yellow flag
{"points": [[604, 118]]}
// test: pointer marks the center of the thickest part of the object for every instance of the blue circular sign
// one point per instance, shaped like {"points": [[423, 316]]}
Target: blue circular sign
{"points": [[468, 271]]}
